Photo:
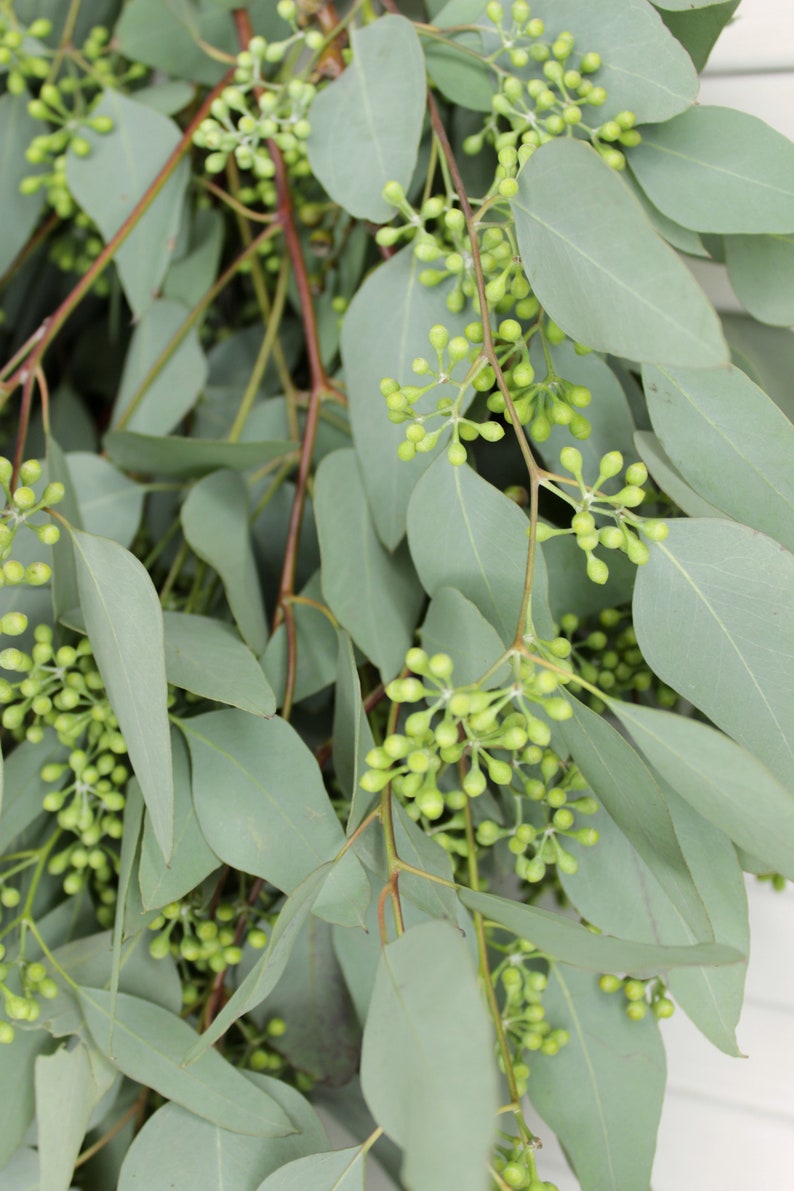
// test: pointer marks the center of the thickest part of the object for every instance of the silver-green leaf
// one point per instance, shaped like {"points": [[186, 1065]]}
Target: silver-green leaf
{"points": [[124, 622], [581, 233], [366, 126]]}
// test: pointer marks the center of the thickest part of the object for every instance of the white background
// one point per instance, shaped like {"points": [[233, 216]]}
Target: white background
{"points": [[729, 1123]]}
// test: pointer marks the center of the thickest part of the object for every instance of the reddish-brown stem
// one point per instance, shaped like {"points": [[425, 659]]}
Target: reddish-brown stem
{"points": [[43, 337], [319, 386]]}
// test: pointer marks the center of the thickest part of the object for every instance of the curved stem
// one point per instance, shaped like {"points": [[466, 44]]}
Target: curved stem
{"points": [[534, 471]]}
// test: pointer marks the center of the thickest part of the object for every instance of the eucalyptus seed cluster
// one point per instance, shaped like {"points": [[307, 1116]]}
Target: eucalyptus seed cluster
{"points": [[552, 400], [538, 813], [205, 937], [464, 738], [22, 55], [640, 995], [591, 502], [607, 656], [259, 1052], [255, 110], [448, 413], [514, 1169], [522, 977], [547, 96], [33, 983], [21, 507], [65, 106], [62, 689]]}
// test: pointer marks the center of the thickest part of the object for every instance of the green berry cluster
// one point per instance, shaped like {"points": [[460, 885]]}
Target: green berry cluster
{"points": [[22, 506], [607, 656], [62, 689], [529, 111], [65, 106], [539, 404], [254, 111], [34, 984], [259, 1054], [523, 983], [591, 501], [446, 754], [544, 813], [204, 935], [21, 53], [513, 1171], [465, 726], [401, 400], [641, 995]]}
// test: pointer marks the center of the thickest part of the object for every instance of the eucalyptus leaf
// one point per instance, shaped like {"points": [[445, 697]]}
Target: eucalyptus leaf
{"points": [[345, 895], [581, 232], [186, 1153], [207, 657], [352, 735], [276, 820], [215, 524], [192, 858], [366, 126], [264, 974], [602, 1094], [110, 504], [455, 626], [185, 458], [17, 1086], [718, 591], [465, 534], [565, 940], [615, 890], [171, 37], [631, 795], [698, 29], [725, 784], [669, 479], [340, 1170], [23, 788], [373, 594], [148, 1044], [174, 390], [125, 624], [65, 593], [189, 277], [427, 1031], [729, 441], [393, 305], [68, 1085], [718, 170], [115, 175], [761, 272]]}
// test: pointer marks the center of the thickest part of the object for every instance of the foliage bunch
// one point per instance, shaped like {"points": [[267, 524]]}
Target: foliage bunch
{"points": [[369, 746]]}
